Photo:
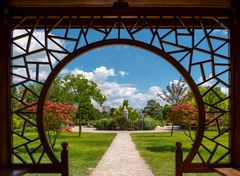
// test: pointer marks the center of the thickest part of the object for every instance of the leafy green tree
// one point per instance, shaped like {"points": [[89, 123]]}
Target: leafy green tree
{"points": [[166, 108], [216, 102], [75, 90], [175, 93], [16, 122], [56, 92], [30, 93], [153, 109], [81, 92]]}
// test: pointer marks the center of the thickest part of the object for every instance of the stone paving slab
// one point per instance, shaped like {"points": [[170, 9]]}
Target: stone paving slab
{"points": [[122, 159]]}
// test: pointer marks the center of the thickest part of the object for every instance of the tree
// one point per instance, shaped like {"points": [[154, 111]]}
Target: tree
{"points": [[81, 92], [75, 90], [166, 108], [184, 115], [56, 92], [153, 109], [216, 102], [57, 118], [176, 92]]}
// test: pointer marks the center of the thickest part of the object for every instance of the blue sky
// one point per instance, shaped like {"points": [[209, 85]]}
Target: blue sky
{"points": [[143, 74], [142, 68], [135, 69], [122, 71]]}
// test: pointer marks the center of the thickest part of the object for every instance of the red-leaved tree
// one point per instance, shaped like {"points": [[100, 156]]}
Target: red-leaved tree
{"points": [[185, 115], [57, 118]]}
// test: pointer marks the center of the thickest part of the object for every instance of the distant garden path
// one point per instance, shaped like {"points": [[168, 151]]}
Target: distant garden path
{"points": [[158, 129], [122, 159]]}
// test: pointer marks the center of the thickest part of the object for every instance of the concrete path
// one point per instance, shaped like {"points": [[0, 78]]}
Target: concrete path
{"points": [[122, 159], [157, 130]]}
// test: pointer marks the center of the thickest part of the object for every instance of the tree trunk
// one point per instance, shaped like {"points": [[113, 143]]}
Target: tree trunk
{"points": [[78, 116], [80, 128], [172, 129]]}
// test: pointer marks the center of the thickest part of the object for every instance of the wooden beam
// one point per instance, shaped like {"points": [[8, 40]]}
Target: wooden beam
{"points": [[109, 3], [5, 105], [126, 11], [235, 83], [76, 22]]}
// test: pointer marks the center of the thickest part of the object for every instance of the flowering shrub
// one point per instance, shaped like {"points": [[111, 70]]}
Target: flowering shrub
{"points": [[57, 118], [183, 114]]}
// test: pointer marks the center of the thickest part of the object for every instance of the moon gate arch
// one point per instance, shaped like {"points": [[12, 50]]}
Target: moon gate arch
{"points": [[160, 53]]}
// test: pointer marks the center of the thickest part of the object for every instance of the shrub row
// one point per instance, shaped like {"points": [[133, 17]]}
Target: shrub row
{"points": [[121, 123]]}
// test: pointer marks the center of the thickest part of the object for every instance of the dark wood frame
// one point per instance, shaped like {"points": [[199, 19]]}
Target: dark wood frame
{"points": [[230, 16]]}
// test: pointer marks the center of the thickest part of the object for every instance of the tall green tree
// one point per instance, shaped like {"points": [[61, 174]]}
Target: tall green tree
{"points": [[216, 102], [56, 92], [81, 92], [153, 109]]}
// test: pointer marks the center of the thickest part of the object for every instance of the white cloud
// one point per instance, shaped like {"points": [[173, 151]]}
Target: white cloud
{"points": [[64, 71], [116, 92], [37, 42], [102, 73], [113, 89], [22, 72], [123, 73], [87, 75], [99, 75], [154, 89], [208, 83], [220, 32], [225, 90]]}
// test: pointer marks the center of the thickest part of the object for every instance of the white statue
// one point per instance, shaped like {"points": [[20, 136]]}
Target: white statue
{"points": [[125, 112]]}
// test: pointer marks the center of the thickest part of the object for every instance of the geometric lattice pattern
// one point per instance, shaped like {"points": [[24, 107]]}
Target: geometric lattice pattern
{"points": [[199, 44]]}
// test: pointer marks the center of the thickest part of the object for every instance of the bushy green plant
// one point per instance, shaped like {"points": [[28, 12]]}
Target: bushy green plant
{"points": [[121, 122], [113, 125], [133, 124], [16, 121], [103, 124], [149, 123]]}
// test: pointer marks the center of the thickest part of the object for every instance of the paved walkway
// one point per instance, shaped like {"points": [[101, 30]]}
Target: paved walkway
{"points": [[157, 130], [122, 159]]}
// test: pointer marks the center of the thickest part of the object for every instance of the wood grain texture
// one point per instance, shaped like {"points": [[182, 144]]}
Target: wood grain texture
{"points": [[228, 171], [132, 3]]}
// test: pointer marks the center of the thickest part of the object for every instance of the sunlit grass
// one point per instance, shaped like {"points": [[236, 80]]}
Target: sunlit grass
{"points": [[84, 152], [158, 150]]}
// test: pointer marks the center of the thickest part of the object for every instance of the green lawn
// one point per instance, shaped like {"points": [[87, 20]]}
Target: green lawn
{"points": [[84, 152], [157, 149]]}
